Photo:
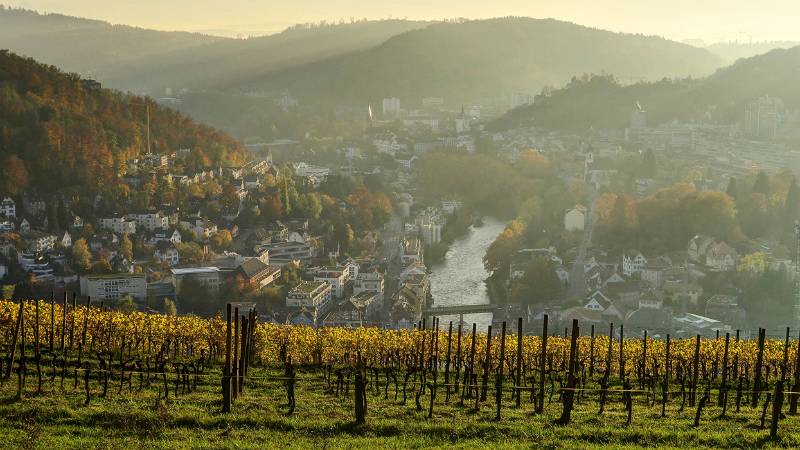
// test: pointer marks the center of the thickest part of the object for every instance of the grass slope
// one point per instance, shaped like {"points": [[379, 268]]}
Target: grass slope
{"points": [[58, 419]]}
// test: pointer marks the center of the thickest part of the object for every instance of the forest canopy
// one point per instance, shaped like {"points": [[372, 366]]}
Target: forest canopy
{"points": [[58, 131]]}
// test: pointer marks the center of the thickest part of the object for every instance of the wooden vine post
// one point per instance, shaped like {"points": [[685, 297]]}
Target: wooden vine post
{"points": [[542, 367], [226, 371], [569, 394]]}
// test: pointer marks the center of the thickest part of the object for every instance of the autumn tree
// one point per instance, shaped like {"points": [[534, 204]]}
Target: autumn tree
{"points": [[81, 256], [498, 255], [126, 247], [14, 177]]}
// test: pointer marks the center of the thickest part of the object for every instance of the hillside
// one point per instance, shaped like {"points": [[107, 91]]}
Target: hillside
{"points": [[87, 46], [485, 60], [720, 98], [55, 132], [137, 59], [730, 52]]}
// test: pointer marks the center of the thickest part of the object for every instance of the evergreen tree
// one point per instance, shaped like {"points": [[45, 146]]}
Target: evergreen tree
{"points": [[733, 189], [761, 185], [792, 205]]}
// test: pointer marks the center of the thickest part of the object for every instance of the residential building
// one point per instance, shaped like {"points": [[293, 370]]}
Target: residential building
{"points": [[39, 242], [112, 287], [722, 257], [168, 235], [282, 253], [256, 273], [411, 251], [119, 225], [37, 264], [337, 277], [369, 281], [762, 117], [150, 221], [633, 262], [202, 228], [391, 106], [7, 226], [313, 295], [166, 252], [8, 208]]}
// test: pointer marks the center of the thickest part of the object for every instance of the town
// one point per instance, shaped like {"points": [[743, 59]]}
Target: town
{"points": [[341, 232]]}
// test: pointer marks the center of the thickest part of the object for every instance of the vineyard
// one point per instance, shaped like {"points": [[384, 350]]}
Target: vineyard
{"points": [[436, 383]]}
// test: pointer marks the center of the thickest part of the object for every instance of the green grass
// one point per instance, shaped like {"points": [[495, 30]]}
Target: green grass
{"points": [[58, 419]]}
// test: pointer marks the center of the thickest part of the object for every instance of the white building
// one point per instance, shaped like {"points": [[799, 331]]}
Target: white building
{"points": [[336, 277], [633, 262], [521, 99], [575, 218], [112, 287], [150, 221], [167, 252], [391, 106], [8, 208], [119, 225], [314, 295]]}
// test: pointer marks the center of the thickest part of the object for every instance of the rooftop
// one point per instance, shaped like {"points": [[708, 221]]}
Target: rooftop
{"points": [[308, 287], [194, 270]]}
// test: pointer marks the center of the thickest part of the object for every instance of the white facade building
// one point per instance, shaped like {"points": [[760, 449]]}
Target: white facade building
{"points": [[391, 106], [112, 287]]}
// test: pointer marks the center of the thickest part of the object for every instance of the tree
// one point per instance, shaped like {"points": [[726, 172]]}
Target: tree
{"points": [[791, 206], [539, 285], [221, 240], [81, 256], [14, 177], [190, 253], [498, 255], [102, 266], [733, 189], [169, 307], [126, 247], [344, 236], [761, 185], [126, 304]]}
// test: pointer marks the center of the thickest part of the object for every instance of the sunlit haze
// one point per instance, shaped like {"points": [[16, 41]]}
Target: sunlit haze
{"points": [[709, 20]]}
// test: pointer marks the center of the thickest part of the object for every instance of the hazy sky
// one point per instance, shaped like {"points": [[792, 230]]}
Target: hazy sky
{"points": [[711, 20]]}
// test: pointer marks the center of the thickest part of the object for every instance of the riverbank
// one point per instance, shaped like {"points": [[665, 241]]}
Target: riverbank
{"points": [[458, 225]]}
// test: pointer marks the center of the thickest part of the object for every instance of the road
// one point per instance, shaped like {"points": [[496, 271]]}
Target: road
{"points": [[390, 253], [577, 280]]}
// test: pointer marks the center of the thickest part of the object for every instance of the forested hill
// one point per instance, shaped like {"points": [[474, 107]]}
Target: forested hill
{"points": [[600, 101], [57, 132], [84, 45], [486, 59], [138, 59]]}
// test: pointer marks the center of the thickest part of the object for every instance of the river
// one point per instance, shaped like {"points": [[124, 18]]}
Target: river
{"points": [[459, 279]]}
